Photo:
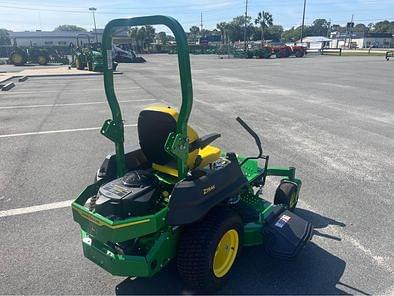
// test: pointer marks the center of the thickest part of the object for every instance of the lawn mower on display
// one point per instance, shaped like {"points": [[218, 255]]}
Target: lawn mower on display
{"points": [[176, 196]]}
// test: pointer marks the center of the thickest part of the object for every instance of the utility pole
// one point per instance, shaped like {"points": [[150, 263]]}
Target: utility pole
{"points": [[245, 27], [303, 22], [351, 31], [201, 25], [329, 29], [93, 10]]}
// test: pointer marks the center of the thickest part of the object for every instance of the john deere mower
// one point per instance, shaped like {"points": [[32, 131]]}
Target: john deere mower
{"points": [[175, 196]]}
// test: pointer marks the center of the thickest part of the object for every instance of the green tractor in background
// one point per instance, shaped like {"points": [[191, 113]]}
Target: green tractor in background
{"points": [[21, 56], [178, 197], [88, 55]]}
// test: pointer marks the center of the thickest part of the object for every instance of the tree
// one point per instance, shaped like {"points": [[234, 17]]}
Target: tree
{"points": [[292, 35], [222, 27], [162, 38], [149, 35], [384, 27], [66, 28], [360, 28], [338, 28], [133, 32], [274, 32], [265, 20], [142, 36], [319, 27], [194, 31], [235, 29], [205, 32], [4, 37]]}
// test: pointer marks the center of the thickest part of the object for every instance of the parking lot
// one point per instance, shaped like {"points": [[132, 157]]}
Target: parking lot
{"points": [[330, 117]]}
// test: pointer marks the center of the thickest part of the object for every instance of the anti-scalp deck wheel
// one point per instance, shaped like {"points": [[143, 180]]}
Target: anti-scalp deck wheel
{"points": [[208, 249], [286, 194]]}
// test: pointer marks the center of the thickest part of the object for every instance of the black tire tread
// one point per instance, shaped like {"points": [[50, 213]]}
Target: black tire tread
{"points": [[283, 194], [195, 249]]}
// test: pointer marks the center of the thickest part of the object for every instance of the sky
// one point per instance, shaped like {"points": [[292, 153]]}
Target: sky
{"points": [[46, 15]]}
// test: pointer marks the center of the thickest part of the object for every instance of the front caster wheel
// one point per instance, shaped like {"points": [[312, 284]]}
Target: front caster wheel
{"points": [[286, 194], [208, 249]]}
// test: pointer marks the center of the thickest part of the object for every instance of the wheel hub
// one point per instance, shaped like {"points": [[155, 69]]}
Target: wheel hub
{"points": [[225, 253]]}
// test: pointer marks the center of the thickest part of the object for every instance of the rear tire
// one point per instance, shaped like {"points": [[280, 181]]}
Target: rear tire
{"points": [[78, 64], [299, 54], [18, 59], [42, 60], [208, 249], [286, 195]]}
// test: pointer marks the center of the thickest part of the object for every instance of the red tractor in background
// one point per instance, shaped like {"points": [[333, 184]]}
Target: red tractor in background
{"points": [[284, 51]]}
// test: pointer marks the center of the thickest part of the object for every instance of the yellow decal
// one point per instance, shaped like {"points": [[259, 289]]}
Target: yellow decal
{"points": [[90, 218], [98, 222]]}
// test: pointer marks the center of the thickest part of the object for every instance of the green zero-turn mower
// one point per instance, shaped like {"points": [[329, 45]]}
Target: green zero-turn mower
{"points": [[176, 196]]}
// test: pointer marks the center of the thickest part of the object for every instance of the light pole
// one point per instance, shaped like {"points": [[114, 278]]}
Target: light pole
{"points": [[303, 21], [246, 17], [93, 9]]}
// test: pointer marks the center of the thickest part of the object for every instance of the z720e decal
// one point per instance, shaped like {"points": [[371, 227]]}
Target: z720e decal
{"points": [[208, 189]]}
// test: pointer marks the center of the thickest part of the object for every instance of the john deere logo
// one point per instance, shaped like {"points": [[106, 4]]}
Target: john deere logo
{"points": [[209, 189]]}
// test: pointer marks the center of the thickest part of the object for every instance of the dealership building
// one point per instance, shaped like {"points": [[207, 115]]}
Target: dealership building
{"points": [[63, 38]]}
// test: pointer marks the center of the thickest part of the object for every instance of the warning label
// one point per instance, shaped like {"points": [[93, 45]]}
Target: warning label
{"points": [[282, 221], [109, 59]]}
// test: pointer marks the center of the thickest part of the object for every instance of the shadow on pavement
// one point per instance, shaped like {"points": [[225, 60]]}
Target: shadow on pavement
{"points": [[314, 271], [319, 222]]}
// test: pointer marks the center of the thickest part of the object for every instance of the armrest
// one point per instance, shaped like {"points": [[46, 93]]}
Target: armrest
{"points": [[204, 141]]}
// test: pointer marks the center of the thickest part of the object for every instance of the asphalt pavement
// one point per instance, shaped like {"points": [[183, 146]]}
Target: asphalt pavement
{"points": [[330, 117]]}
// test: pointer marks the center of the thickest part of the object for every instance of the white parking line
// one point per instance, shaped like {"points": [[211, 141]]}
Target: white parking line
{"points": [[68, 90], [33, 209], [57, 131], [381, 261], [70, 104]]}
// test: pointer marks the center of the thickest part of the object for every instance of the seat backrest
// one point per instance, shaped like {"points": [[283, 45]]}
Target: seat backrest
{"points": [[155, 123]]}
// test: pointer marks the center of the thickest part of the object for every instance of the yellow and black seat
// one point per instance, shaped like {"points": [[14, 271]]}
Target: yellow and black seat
{"points": [[155, 123]]}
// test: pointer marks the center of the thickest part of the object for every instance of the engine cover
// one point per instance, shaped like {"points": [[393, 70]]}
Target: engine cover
{"points": [[132, 195]]}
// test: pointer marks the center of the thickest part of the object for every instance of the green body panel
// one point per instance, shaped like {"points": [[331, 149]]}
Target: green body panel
{"points": [[162, 251], [105, 230], [252, 234]]}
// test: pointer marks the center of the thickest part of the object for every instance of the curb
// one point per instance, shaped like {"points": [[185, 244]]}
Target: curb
{"points": [[8, 86], [56, 75]]}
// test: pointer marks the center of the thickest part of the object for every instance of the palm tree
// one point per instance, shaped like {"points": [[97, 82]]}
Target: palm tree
{"points": [[222, 28], [194, 31], [162, 38], [141, 35], [133, 33], [265, 20]]}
